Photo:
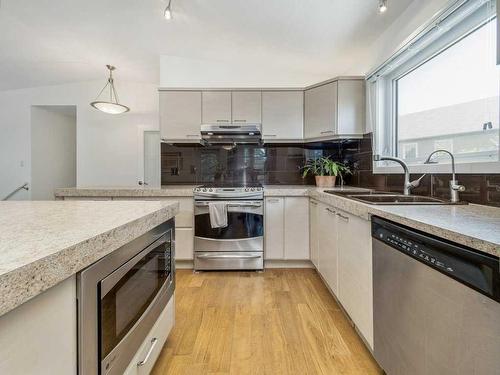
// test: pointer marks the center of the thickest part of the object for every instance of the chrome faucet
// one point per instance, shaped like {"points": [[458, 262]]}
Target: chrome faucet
{"points": [[455, 188], [408, 185]]}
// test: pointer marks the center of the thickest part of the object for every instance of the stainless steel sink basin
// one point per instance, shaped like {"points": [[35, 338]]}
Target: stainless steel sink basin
{"points": [[345, 193], [388, 198]]}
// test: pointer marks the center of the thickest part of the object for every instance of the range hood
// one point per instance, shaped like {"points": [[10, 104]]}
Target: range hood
{"points": [[231, 133]]}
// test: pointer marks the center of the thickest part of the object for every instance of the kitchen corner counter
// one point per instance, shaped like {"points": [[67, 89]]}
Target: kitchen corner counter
{"points": [[44, 242], [471, 225], [126, 192]]}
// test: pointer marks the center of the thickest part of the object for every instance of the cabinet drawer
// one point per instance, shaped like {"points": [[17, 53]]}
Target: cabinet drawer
{"points": [[154, 342]]}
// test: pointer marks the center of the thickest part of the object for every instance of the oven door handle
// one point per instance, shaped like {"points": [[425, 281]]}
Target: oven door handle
{"points": [[228, 256], [154, 341], [233, 204]]}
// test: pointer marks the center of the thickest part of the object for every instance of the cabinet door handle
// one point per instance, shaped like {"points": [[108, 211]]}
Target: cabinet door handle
{"points": [[193, 135], [270, 135], [330, 210], [327, 132], [222, 120], [154, 341], [239, 120], [314, 203], [346, 218], [275, 200]]}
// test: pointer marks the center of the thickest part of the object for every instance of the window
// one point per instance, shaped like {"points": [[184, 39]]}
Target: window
{"points": [[442, 91]]}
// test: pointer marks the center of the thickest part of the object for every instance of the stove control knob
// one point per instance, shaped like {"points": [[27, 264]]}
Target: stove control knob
{"points": [[210, 189], [246, 189], [253, 189], [204, 189]]}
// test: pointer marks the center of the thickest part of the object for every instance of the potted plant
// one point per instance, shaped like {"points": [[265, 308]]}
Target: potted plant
{"points": [[325, 171]]}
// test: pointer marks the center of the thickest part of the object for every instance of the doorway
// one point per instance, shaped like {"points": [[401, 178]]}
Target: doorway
{"points": [[53, 150], [152, 158]]}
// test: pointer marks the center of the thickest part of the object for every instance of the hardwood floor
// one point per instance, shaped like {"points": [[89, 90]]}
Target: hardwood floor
{"points": [[276, 322]]}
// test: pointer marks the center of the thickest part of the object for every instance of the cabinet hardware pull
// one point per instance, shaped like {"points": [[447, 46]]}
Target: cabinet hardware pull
{"points": [[314, 203], [275, 200], [270, 135], [154, 341], [330, 210], [346, 218], [239, 120], [193, 135], [327, 132], [222, 120]]}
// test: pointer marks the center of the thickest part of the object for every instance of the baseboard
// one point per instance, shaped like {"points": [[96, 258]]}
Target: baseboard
{"points": [[278, 263], [187, 264], [184, 264]]}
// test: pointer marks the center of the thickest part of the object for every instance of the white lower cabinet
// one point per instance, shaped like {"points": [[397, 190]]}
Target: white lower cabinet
{"points": [[148, 353], [184, 242], [328, 246], [345, 262], [40, 336], [355, 290], [314, 232], [286, 233]]}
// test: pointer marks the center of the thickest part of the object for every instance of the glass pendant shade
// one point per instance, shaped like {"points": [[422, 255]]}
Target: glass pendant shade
{"points": [[112, 106]]}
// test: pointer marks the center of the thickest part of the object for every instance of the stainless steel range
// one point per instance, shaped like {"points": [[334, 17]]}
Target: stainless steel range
{"points": [[237, 245]]}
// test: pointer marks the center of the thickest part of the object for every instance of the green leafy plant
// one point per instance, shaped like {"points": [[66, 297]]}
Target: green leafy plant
{"points": [[324, 166]]}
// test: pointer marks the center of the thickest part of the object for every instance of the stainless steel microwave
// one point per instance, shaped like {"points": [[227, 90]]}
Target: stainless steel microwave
{"points": [[120, 297]]}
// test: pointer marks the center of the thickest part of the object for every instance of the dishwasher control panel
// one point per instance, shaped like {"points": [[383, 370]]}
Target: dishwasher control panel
{"points": [[413, 249], [472, 268]]}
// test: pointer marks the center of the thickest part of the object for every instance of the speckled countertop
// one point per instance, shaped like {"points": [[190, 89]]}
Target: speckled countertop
{"points": [[43, 243], [472, 225]]}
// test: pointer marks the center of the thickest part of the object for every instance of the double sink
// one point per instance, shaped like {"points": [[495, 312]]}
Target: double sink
{"points": [[389, 198]]}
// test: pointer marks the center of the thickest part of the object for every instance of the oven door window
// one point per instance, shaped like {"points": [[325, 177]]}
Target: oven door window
{"points": [[241, 224], [129, 291]]}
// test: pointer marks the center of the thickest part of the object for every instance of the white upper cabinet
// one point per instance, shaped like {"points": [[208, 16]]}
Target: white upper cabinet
{"points": [[282, 115], [246, 107], [351, 107], [335, 109], [321, 111], [216, 107], [180, 115]]}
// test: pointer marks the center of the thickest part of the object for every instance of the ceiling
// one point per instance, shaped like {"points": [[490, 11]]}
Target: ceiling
{"points": [[46, 42]]}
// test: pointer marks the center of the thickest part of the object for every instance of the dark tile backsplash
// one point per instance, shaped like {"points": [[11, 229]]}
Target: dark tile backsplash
{"points": [[268, 164], [280, 165], [480, 188]]}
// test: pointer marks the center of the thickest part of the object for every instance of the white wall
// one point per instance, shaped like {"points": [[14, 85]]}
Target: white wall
{"points": [[176, 71], [53, 150], [107, 145]]}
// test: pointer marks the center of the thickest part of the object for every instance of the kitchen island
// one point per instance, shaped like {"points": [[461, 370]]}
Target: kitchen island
{"points": [[43, 245]]}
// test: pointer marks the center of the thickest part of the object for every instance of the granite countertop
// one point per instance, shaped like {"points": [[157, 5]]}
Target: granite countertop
{"points": [[119, 191], [472, 225], [172, 191], [44, 242]]}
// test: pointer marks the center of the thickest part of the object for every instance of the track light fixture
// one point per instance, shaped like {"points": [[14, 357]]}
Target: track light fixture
{"points": [[382, 6], [168, 11]]}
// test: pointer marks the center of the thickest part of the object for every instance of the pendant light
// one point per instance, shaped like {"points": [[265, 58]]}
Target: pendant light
{"points": [[112, 106], [168, 11], [382, 6]]}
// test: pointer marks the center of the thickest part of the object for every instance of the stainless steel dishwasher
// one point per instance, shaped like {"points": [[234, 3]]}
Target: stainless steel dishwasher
{"points": [[436, 304]]}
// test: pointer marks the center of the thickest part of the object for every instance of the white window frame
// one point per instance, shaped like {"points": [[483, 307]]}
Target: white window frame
{"points": [[382, 91]]}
